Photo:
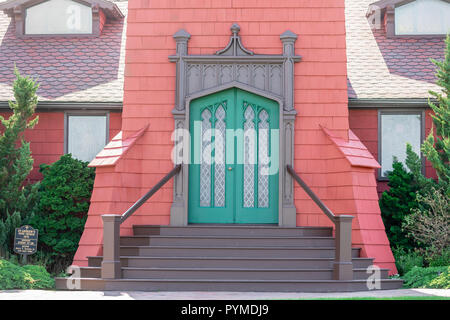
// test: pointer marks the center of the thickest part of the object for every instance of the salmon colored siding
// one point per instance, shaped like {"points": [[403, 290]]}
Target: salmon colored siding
{"points": [[115, 124], [364, 124], [102, 18], [320, 99], [47, 138]]}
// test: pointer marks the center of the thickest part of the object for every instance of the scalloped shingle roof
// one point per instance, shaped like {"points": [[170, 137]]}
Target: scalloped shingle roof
{"points": [[382, 68], [69, 69]]}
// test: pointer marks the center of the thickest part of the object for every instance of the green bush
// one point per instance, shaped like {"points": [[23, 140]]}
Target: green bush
{"points": [[396, 203], [442, 281], [432, 277], [13, 276], [406, 260], [441, 259], [65, 194]]}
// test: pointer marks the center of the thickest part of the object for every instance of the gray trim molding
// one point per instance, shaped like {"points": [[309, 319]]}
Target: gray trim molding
{"points": [[63, 106], [389, 103], [271, 76], [86, 113], [399, 111]]}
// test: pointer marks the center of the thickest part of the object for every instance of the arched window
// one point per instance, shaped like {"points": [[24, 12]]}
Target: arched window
{"points": [[58, 17], [423, 17]]}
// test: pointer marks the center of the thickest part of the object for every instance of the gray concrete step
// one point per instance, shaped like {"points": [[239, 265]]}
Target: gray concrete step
{"points": [[238, 273], [91, 272], [232, 285], [230, 241], [232, 230], [229, 262], [273, 252]]}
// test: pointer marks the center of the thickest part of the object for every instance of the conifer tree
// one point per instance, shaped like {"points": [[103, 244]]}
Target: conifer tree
{"points": [[437, 149], [16, 162]]}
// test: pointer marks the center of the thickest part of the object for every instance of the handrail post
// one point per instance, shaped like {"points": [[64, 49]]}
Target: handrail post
{"points": [[111, 247], [343, 266]]}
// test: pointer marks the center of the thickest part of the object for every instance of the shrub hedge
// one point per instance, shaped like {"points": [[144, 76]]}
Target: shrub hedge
{"points": [[65, 194], [406, 260], [13, 276], [432, 277]]}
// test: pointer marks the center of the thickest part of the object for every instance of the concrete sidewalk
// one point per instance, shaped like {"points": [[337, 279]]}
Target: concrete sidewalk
{"points": [[137, 295]]}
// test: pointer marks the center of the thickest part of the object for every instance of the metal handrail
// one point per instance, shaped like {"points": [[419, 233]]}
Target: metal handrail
{"points": [[313, 196], [150, 193]]}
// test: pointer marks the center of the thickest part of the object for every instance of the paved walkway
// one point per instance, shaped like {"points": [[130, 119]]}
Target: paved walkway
{"points": [[136, 295]]}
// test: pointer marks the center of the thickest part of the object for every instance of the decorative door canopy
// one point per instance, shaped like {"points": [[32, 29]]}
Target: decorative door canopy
{"points": [[273, 74]]}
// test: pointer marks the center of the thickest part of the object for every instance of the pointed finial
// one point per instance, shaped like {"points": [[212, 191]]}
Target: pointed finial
{"points": [[234, 47], [235, 28]]}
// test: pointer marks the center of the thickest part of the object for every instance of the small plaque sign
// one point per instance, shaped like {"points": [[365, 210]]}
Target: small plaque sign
{"points": [[25, 240]]}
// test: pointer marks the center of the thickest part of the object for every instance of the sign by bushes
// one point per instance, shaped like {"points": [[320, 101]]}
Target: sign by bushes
{"points": [[25, 240]]}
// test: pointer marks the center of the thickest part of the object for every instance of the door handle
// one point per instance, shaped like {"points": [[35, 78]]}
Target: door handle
{"points": [[230, 168]]}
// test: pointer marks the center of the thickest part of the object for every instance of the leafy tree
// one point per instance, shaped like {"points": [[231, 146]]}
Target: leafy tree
{"points": [[437, 149], [16, 199], [431, 226], [65, 193]]}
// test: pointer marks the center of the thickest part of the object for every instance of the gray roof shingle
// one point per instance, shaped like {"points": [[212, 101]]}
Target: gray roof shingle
{"points": [[68, 69], [387, 68]]}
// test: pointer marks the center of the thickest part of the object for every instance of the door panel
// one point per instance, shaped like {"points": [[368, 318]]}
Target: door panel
{"points": [[233, 148], [257, 175], [211, 196]]}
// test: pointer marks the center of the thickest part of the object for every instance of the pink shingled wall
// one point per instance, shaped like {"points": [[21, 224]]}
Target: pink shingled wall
{"points": [[320, 99]]}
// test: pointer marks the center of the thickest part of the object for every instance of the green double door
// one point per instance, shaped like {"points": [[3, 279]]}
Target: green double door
{"points": [[233, 171]]}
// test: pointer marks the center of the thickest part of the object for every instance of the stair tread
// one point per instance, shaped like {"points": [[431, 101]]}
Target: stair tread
{"points": [[234, 280], [240, 269], [236, 247], [228, 237], [231, 226], [225, 258]]}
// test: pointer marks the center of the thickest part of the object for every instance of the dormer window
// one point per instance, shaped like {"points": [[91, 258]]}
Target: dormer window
{"points": [[422, 17], [411, 17], [58, 17]]}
